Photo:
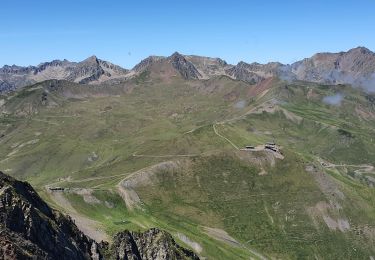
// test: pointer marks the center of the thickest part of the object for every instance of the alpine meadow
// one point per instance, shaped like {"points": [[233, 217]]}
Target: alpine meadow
{"points": [[189, 157]]}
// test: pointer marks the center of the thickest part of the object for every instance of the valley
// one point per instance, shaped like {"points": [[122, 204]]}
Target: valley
{"points": [[160, 150]]}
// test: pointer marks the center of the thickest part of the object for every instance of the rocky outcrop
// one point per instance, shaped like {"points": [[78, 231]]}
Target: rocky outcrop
{"points": [[146, 63], [5, 86], [152, 244], [30, 229], [208, 67], [242, 72], [184, 67]]}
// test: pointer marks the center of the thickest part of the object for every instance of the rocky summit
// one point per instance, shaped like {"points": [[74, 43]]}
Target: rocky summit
{"points": [[30, 229]]}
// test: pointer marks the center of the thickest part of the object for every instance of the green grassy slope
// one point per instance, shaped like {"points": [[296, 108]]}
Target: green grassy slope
{"points": [[62, 134]]}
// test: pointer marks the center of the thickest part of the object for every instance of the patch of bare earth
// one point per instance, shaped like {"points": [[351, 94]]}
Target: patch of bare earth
{"points": [[194, 245], [127, 186], [89, 227], [273, 107], [260, 88], [329, 211], [364, 113], [87, 195], [223, 236]]}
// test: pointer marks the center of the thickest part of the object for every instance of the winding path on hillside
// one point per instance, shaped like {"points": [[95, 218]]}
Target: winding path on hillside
{"points": [[166, 155], [363, 168], [223, 137]]}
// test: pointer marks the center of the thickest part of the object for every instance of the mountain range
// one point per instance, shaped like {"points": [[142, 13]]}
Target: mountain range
{"points": [[355, 67], [186, 156]]}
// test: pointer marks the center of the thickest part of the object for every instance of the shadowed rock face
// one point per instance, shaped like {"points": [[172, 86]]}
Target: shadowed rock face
{"points": [[152, 244], [186, 68], [30, 229], [242, 72]]}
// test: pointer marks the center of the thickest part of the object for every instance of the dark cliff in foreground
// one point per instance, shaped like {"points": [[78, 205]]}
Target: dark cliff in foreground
{"points": [[30, 229]]}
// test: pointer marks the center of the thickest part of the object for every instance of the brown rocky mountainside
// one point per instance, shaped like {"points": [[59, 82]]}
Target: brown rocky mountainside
{"points": [[90, 70], [30, 229], [356, 67]]}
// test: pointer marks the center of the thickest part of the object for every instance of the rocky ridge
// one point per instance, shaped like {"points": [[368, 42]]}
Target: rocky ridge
{"points": [[356, 67], [92, 70], [30, 229], [160, 245]]}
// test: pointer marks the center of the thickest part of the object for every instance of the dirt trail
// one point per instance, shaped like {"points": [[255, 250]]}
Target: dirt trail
{"points": [[69, 180], [221, 136], [88, 226], [363, 168], [165, 156], [193, 130], [45, 121]]}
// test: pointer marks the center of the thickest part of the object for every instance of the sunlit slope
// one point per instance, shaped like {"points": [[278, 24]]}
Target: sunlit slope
{"points": [[316, 199]]}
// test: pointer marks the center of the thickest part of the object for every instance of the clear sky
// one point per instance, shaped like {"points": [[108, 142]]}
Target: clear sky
{"points": [[124, 32]]}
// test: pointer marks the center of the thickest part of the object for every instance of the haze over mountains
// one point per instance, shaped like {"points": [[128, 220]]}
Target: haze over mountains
{"points": [[355, 67]]}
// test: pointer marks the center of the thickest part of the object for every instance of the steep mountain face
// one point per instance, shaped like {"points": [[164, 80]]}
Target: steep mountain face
{"points": [[30, 229], [176, 62], [357, 67], [5, 86], [184, 67], [146, 63], [91, 70], [208, 67], [242, 71], [160, 245]]}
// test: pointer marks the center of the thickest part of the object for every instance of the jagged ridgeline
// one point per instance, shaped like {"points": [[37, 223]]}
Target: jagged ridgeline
{"points": [[30, 229], [356, 67]]}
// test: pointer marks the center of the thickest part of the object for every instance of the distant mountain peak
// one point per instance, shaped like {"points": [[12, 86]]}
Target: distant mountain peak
{"points": [[242, 64], [176, 54], [185, 67], [146, 63], [92, 59], [361, 49], [90, 70]]}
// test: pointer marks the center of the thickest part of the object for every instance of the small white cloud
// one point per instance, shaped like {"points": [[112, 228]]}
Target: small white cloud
{"points": [[334, 100]]}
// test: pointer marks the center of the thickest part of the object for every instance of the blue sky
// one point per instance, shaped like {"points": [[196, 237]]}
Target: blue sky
{"points": [[124, 32]]}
